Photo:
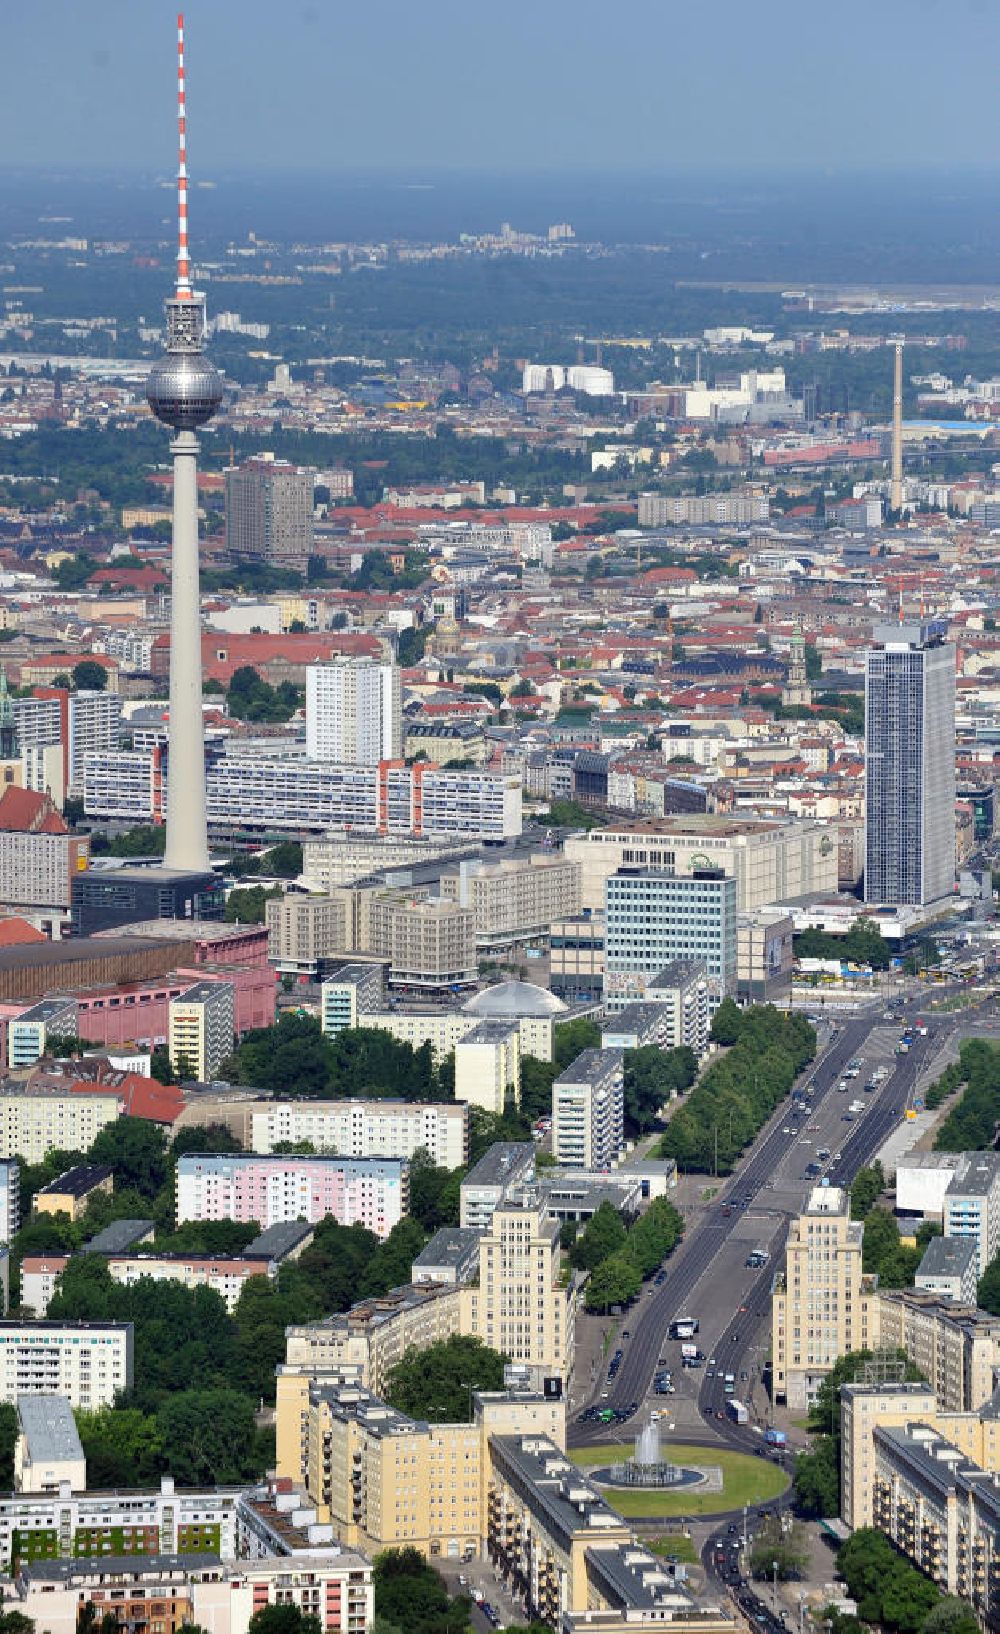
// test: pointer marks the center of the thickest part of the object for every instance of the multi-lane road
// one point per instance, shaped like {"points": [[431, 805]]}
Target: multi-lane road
{"points": [[707, 1276]]}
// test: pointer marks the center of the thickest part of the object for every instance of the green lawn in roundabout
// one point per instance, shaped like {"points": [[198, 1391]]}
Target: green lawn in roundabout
{"points": [[745, 1480]]}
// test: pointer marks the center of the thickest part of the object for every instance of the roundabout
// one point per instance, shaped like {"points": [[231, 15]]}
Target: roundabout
{"points": [[722, 1483]]}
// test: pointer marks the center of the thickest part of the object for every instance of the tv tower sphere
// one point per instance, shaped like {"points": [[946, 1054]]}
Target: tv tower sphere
{"points": [[184, 388]]}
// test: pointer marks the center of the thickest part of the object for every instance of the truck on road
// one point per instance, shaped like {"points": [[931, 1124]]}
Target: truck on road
{"points": [[776, 1438], [737, 1411], [685, 1327]]}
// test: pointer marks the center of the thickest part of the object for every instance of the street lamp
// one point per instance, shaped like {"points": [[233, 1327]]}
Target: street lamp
{"points": [[774, 1585]]}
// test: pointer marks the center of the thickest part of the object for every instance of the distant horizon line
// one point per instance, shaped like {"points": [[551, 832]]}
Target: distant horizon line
{"points": [[416, 176]]}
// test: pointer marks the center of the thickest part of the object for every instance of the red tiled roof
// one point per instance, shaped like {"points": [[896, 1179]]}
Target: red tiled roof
{"points": [[14, 931], [23, 811]]}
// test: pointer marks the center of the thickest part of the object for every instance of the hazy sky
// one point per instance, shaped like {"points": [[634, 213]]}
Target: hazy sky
{"points": [[407, 85]]}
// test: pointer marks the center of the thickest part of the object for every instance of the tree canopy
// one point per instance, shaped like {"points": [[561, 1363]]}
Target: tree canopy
{"points": [[734, 1098], [435, 1383]]}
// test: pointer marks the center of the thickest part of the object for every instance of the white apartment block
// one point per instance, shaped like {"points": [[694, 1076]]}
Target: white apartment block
{"points": [[972, 1204], [37, 869], [88, 1362], [10, 1197], [740, 508], [354, 712], [515, 900], [94, 728], [288, 795], [366, 1128], [33, 1123], [769, 860], [588, 1110], [351, 996], [202, 1029]]}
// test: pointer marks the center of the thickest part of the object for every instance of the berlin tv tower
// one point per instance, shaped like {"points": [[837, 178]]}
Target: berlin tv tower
{"points": [[184, 390]]}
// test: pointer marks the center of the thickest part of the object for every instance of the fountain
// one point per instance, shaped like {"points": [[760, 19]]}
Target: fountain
{"points": [[648, 1468]]}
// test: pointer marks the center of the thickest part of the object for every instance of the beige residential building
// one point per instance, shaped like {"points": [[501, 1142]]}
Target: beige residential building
{"points": [[516, 900], [821, 1305], [864, 1408], [942, 1510], [488, 1066], [339, 858], [430, 943], [535, 1012], [520, 1306], [956, 1347], [34, 1123], [363, 1344], [770, 861], [305, 931]]}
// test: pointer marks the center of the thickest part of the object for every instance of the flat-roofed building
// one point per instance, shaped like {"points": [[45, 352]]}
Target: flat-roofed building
{"points": [[451, 1257], [88, 1362], [430, 943], [350, 995], [202, 1029], [521, 1306], [488, 1066], [33, 1123], [822, 1302], [502, 1167], [949, 1269], [271, 1188], [588, 1110], [516, 900], [769, 860], [28, 1034], [306, 934], [956, 1347], [381, 1128]]}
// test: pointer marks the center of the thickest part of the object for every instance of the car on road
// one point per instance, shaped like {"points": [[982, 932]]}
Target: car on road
{"points": [[787, 1129]]}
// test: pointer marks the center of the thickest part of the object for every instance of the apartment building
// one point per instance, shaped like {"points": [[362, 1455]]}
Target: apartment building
{"points": [[270, 1189], [942, 1511], [39, 857], [514, 901], [350, 995], [33, 1123], [227, 1275], [972, 1204], [88, 1362], [520, 1306], [769, 860], [949, 1269], [289, 795], [72, 1192], [202, 1029], [28, 1034], [821, 1302], [354, 712], [365, 1128], [682, 988], [654, 918], [344, 858], [956, 1347], [488, 1066], [307, 934], [503, 1167], [269, 512], [166, 1593], [588, 1110], [10, 1197], [362, 1344], [430, 944]]}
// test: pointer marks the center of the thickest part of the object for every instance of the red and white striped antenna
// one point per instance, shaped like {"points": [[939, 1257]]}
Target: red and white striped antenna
{"points": [[183, 256]]}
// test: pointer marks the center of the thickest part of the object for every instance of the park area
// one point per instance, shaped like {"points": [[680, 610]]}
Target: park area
{"points": [[745, 1480]]}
